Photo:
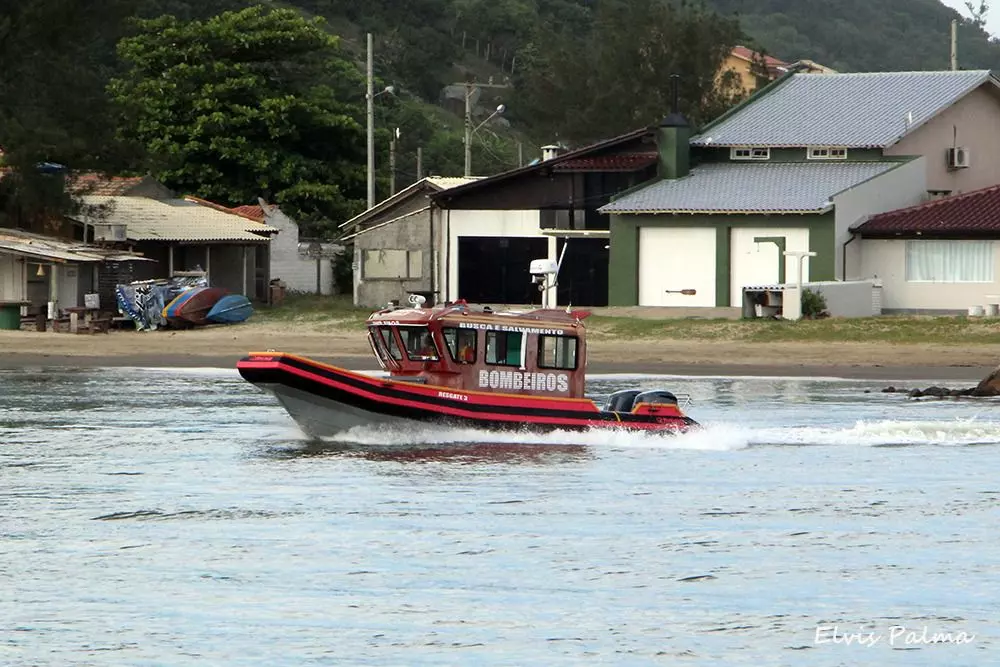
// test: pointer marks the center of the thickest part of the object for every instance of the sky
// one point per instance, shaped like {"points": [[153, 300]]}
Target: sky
{"points": [[992, 18]]}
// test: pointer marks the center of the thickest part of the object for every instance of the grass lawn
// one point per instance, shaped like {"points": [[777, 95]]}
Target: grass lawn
{"points": [[338, 312], [891, 329]]}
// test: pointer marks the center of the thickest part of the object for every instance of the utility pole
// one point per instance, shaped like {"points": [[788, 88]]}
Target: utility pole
{"points": [[392, 167], [954, 44], [469, 87], [370, 96], [420, 162], [468, 130]]}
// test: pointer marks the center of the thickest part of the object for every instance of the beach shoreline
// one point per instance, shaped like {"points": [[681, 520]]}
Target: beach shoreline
{"points": [[222, 347]]}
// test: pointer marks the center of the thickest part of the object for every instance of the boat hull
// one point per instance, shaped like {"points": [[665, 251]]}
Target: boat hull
{"points": [[195, 309], [230, 309], [325, 400]]}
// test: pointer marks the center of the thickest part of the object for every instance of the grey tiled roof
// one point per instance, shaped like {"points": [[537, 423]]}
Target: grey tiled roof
{"points": [[749, 188], [854, 110]]}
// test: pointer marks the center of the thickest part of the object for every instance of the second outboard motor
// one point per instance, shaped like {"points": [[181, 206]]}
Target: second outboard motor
{"points": [[656, 397], [621, 401]]}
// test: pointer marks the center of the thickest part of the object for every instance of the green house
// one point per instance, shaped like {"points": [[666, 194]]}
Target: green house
{"points": [[793, 168]]}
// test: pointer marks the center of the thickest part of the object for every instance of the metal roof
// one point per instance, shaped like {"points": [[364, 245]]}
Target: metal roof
{"points": [[975, 213], [445, 182], [437, 184], [855, 110], [174, 220], [728, 187], [37, 246]]}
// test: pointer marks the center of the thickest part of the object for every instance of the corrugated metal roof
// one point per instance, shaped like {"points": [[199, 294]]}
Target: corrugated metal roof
{"points": [[437, 183], [176, 220], [49, 248], [727, 187], [975, 213], [446, 182], [855, 110]]}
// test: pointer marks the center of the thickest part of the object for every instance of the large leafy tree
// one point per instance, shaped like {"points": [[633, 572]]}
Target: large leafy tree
{"points": [[258, 102], [616, 77], [56, 56]]}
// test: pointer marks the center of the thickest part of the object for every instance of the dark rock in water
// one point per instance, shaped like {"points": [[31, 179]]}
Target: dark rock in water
{"points": [[889, 390], [915, 393], [989, 385]]}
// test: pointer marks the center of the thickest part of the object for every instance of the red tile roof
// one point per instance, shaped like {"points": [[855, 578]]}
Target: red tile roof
{"points": [[975, 213], [249, 211], [105, 186], [772, 63], [627, 162], [252, 211]]}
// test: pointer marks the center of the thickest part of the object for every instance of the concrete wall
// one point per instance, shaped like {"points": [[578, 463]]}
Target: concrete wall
{"points": [[886, 258], [409, 235], [459, 223], [755, 262], [972, 122], [289, 260], [623, 274], [903, 186], [860, 298], [12, 279]]}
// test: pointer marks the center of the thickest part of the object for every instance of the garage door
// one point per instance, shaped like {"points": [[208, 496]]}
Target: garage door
{"points": [[494, 269], [674, 259], [754, 261]]}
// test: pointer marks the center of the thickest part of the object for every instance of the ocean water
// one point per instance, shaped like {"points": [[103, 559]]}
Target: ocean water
{"points": [[177, 517]]}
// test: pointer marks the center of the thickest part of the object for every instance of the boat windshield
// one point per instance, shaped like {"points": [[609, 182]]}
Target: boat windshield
{"points": [[388, 342], [419, 343]]}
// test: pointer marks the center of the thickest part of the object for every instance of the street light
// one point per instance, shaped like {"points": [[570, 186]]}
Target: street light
{"points": [[469, 130]]}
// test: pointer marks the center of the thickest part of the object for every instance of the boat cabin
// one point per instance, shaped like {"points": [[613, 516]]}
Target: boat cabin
{"points": [[540, 352]]}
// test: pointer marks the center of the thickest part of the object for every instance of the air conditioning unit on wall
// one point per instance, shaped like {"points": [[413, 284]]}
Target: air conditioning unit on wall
{"points": [[958, 157], [110, 232]]}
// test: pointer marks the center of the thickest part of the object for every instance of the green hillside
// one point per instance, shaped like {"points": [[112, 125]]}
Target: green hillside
{"points": [[571, 71], [860, 35]]}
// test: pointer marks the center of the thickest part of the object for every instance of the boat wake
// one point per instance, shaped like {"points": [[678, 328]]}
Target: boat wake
{"points": [[717, 437], [887, 433]]}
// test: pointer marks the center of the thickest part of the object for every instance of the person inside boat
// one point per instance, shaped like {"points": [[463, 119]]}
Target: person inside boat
{"points": [[425, 348], [467, 353]]}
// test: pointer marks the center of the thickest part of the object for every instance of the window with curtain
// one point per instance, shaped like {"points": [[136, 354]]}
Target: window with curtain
{"points": [[949, 261]]}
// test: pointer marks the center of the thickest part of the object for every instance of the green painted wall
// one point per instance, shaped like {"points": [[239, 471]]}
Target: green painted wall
{"points": [[623, 272]]}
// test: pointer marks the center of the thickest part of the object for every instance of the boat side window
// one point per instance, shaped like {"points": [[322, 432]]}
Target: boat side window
{"points": [[557, 352], [504, 348], [418, 343], [461, 344], [389, 342]]}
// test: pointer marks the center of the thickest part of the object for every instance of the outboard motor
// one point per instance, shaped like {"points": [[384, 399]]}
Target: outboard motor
{"points": [[621, 401], [656, 397]]}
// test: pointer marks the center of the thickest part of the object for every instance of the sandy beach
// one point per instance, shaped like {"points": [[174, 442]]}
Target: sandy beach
{"points": [[222, 347]]}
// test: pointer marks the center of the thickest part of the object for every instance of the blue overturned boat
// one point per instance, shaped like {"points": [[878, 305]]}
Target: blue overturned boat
{"points": [[230, 309]]}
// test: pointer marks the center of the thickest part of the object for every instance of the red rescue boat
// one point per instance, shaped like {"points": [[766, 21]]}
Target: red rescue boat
{"points": [[463, 366]]}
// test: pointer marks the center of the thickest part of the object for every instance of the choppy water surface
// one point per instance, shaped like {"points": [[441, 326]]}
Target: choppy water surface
{"points": [[155, 517]]}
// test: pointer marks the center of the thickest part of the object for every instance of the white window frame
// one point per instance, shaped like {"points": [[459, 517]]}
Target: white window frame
{"points": [[944, 260], [826, 153], [749, 153]]}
